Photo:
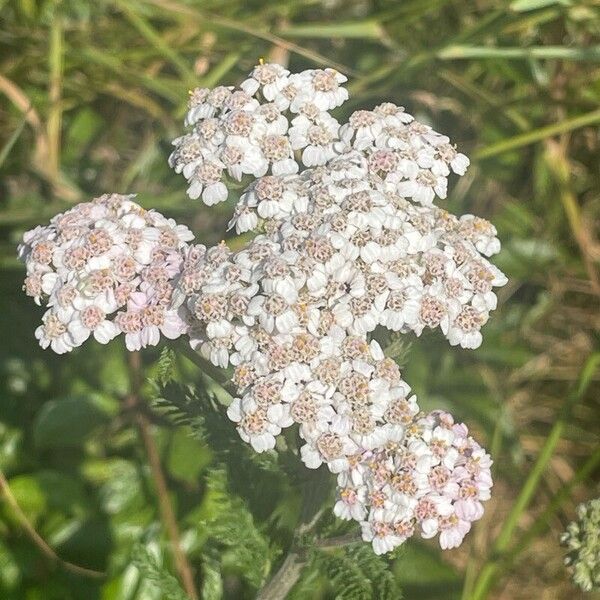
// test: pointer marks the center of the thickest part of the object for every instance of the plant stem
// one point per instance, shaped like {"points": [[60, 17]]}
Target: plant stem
{"points": [[314, 491], [37, 539], [217, 375], [338, 542], [278, 587], [166, 508], [490, 569], [470, 571], [541, 523]]}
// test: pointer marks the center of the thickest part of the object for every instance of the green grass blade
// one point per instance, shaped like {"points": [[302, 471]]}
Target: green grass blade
{"points": [[537, 135], [460, 52], [12, 141], [527, 5], [152, 37], [490, 569], [55, 84], [174, 8], [352, 30]]}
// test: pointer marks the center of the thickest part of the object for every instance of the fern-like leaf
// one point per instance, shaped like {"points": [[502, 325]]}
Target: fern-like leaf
{"points": [[156, 574]]}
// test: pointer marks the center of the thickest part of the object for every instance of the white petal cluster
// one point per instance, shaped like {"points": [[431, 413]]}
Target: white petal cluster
{"points": [[274, 123], [430, 478], [103, 268], [293, 364], [293, 309], [348, 242], [410, 157], [373, 258]]}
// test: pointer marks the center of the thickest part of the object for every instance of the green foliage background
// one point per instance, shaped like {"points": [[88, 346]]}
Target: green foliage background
{"points": [[90, 95]]}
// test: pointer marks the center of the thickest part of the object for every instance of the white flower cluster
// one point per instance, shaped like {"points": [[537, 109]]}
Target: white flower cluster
{"points": [[410, 157], [351, 243], [258, 128], [374, 258], [348, 243], [293, 363], [103, 268], [582, 540], [293, 309], [433, 478]]}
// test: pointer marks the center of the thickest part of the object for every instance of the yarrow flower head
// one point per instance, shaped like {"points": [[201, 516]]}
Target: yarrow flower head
{"points": [[258, 129], [429, 477], [372, 257], [104, 268], [348, 241], [582, 540]]}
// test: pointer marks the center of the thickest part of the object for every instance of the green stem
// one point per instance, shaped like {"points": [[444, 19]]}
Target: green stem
{"points": [[37, 539], [540, 524], [491, 569], [470, 571], [219, 376], [315, 489]]}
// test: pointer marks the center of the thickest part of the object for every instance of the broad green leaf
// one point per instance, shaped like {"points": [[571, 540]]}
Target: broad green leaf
{"points": [[66, 422], [415, 559], [187, 457], [29, 494], [10, 571], [11, 442], [120, 484]]}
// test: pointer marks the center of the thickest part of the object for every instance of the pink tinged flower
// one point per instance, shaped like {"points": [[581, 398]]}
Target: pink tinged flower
{"points": [[382, 536], [453, 530], [53, 333], [92, 321], [469, 509], [350, 505]]}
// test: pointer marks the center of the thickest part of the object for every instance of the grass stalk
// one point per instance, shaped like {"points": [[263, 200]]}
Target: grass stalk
{"points": [[531, 137], [154, 39], [55, 82], [11, 141], [455, 52], [490, 570]]}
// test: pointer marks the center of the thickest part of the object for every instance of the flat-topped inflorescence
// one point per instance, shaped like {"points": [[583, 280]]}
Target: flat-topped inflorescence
{"points": [[348, 241], [103, 268], [258, 128], [280, 123], [431, 478]]}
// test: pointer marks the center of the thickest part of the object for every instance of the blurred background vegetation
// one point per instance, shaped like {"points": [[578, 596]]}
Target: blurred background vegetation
{"points": [[91, 93]]}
